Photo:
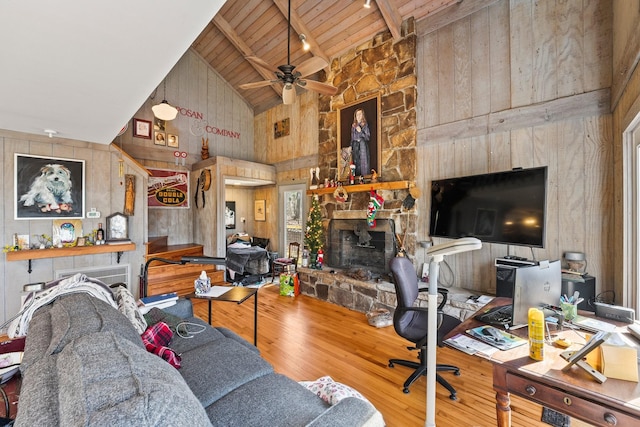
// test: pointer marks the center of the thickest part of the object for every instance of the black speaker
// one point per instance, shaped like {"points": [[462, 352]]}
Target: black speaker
{"points": [[585, 285], [505, 281]]}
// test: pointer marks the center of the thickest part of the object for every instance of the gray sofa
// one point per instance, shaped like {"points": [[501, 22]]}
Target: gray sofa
{"points": [[85, 364]]}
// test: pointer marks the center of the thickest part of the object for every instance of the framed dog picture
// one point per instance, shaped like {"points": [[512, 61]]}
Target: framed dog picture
{"points": [[48, 187]]}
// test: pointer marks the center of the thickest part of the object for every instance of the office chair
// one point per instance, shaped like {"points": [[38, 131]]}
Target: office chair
{"points": [[279, 265], [411, 323]]}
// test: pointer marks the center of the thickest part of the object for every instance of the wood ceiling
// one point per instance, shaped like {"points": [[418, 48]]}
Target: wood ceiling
{"points": [[259, 28]]}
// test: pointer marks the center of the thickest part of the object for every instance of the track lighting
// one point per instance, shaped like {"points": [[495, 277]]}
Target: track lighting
{"points": [[164, 110], [367, 4], [305, 44]]}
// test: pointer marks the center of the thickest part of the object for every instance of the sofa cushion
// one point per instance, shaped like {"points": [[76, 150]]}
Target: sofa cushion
{"points": [[75, 315], [129, 308], [109, 380], [220, 366], [331, 391], [39, 393], [270, 400]]}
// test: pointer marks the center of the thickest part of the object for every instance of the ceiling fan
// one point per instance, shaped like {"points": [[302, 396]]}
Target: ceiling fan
{"points": [[289, 75]]}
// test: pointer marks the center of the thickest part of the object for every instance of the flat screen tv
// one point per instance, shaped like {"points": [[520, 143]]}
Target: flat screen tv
{"points": [[503, 207]]}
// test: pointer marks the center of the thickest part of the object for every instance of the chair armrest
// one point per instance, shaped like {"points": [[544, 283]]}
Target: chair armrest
{"points": [[443, 292]]}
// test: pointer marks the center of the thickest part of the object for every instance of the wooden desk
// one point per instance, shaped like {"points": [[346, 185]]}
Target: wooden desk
{"points": [[575, 393]]}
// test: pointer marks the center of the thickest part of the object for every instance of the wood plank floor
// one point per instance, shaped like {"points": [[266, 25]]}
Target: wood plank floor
{"points": [[305, 339]]}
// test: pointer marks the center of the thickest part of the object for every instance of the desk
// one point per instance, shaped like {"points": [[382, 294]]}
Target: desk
{"points": [[575, 393], [237, 294]]}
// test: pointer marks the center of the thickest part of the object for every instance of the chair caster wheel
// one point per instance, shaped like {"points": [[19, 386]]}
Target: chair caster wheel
{"points": [[453, 397], [390, 365], [456, 373], [405, 390]]}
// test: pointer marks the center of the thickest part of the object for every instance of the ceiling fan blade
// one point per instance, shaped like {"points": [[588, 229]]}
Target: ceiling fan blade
{"points": [[311, 65], [261, 63], [255, 85], [322, 88]]}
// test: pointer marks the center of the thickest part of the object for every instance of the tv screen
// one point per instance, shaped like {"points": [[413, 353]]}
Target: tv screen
{"points": [[503, 207]]}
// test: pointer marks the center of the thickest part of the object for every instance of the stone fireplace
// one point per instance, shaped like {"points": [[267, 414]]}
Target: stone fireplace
{"points": [[351, 243]]}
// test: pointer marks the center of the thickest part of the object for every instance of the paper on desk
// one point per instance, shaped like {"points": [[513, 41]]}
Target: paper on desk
{"points": [[215, 291], [482, 299], [470, 345]]}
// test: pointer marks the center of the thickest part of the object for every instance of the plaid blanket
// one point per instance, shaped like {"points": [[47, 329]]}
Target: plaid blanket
{"points": [[155, 340]]}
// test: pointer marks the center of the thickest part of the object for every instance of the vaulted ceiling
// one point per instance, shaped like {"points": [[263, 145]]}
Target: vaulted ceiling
{"points": [[245, 28], [82, 69]]}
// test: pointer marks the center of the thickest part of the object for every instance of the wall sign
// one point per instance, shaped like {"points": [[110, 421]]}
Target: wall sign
{"points": [[168, 189]]}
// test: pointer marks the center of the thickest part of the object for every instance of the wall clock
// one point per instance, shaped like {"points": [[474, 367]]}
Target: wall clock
{"points": [[117, 227]]}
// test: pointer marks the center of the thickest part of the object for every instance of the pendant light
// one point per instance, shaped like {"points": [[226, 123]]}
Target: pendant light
{"points": [[164, 110]]}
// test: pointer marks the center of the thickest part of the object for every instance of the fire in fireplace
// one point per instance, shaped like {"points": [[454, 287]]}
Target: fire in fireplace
{"points": [[353, 244]]}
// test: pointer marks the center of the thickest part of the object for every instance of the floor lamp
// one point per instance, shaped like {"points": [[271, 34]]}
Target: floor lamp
{"points": [[437, 254]]}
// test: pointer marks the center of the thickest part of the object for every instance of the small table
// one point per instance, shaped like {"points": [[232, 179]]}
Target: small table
{"points": [[237, 294]]}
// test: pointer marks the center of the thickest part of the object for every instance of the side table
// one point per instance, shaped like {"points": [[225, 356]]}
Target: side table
{"points": [[237, 294]]}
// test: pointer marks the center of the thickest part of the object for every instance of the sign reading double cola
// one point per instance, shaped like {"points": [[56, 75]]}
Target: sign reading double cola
{"points": [[168, 189]]}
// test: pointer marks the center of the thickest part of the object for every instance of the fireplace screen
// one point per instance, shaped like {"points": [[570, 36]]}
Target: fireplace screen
{"points": [[353, 244]]}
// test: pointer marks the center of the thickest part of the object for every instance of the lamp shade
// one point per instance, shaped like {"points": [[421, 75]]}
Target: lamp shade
{"points": [[288, 94], [164, 111]]}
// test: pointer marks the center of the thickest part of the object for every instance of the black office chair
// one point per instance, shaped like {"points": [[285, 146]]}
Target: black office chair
{"points": [[411, 323]]}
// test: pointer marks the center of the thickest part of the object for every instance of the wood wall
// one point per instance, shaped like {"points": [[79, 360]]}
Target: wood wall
{"points": [[625, 101], [523, 84], [104, 190]]}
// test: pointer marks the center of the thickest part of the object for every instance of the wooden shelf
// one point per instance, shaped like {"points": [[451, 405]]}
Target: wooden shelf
{"points": [[73, 251], [391, 185], [31, 254]]}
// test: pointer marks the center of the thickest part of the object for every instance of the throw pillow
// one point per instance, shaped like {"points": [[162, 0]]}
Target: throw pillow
{"points": [[330, 391], [128, 306]]}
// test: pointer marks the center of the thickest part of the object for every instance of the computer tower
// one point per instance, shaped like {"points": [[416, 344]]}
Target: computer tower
{"points": [[585, 285]]}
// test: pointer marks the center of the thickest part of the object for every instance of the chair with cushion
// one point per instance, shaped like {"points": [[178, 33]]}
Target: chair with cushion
{"points": [[289, 263], [410, 322]]}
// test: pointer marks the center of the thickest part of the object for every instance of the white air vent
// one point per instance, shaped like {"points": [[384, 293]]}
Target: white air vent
{"points": [[109, 274]]}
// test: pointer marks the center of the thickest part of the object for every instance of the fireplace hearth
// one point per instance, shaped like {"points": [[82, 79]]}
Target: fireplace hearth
{"points": [[353, 244]]}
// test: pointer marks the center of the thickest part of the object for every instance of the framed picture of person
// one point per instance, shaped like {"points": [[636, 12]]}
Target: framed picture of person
{"points": [[359, 138]]}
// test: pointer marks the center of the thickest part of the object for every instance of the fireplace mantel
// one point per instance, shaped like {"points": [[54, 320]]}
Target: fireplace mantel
{"points": [[391, 185]]}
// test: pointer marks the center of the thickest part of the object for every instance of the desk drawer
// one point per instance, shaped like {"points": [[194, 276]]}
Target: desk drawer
{"points": [[584, 409]]}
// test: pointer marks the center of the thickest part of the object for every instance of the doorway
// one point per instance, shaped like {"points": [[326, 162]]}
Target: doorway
{"points": [[291, 221]]}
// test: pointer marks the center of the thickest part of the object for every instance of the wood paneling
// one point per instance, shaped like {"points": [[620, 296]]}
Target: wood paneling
{"points": [[544, 111]]}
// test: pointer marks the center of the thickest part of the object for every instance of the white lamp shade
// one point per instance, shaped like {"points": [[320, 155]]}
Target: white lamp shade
{"points": [[288, 94], [164, 111]]}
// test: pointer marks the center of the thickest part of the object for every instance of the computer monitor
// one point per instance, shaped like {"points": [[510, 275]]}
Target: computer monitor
{"points": [[535, 286]]}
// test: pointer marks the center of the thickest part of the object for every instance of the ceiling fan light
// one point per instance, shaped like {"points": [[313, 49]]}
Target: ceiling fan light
{"points": [[164, 111], [288, 94], [305, 44], [367, 4]]}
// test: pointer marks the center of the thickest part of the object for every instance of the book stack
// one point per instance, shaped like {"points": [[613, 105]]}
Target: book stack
{"points": [[158, 301]]}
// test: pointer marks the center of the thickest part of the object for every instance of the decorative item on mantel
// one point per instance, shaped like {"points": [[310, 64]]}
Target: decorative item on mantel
{"points": [[315, 173], [314, 235]]}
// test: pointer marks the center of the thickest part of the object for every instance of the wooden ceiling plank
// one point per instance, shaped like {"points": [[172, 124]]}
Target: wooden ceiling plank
{"points": [[391, 17], [226, 29], [299, 27]]}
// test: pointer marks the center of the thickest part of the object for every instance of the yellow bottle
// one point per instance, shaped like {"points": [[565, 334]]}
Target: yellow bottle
{"points": [[536, 334]]}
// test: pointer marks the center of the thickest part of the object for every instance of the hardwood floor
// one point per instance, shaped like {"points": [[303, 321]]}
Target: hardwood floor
{"points": [[305, 339]]}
